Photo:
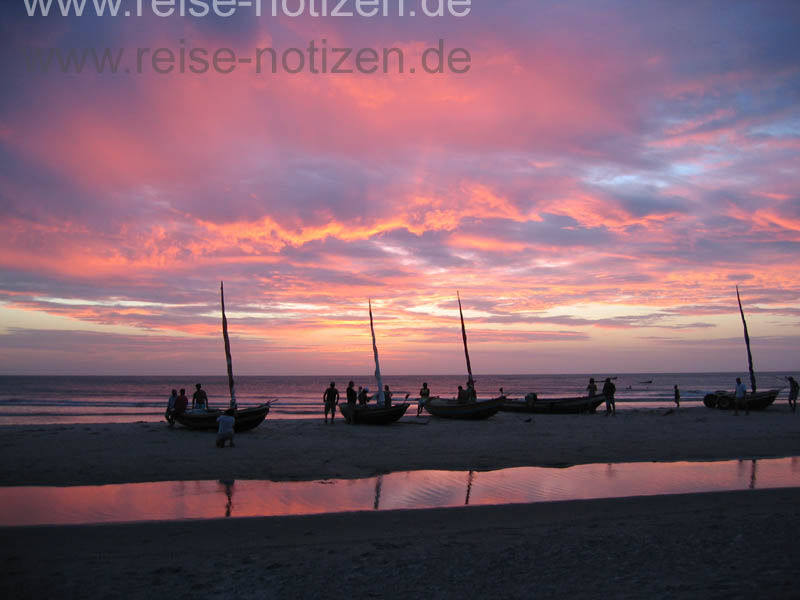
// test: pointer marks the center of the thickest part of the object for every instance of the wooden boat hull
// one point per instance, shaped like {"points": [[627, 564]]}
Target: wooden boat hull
{"points": [[248, 418], [727, 400], [556, 406], [373, 415], [483, 409]]}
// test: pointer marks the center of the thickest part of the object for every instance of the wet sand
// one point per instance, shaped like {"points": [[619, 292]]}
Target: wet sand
{"points": [[724, 545], [308, 449]]}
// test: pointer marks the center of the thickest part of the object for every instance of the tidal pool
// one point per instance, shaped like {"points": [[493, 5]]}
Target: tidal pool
{"points": [[175, 500]]}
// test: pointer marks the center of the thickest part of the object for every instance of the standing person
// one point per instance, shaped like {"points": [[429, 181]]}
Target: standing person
{"points": [[225, 432], [741, 397], [677, 397], [424, 396], [387, 397], [181, 402], [609, 389], [363, 395], [352, 396], [171, 408], [199, 398], [592, 387], [794, 390], [331, 399]]}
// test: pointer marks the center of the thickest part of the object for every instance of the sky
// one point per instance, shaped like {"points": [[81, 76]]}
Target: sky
{"points": [[595, 186]]}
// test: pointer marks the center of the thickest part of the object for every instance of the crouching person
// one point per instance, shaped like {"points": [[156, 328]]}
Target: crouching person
{"points": [[225, 431]]}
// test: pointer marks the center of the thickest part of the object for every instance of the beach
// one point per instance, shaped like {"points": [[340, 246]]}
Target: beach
{"points": [[282, 450], [732, 544]]}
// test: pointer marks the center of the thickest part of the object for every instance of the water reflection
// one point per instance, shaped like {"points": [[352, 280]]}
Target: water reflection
{"points": [[378, 484], [172, 500], [228, 483]]}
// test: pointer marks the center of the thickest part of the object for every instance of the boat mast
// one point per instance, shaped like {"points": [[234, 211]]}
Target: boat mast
{"points": [[227, 347], [464, 337], [747, 342], [381, 399]]}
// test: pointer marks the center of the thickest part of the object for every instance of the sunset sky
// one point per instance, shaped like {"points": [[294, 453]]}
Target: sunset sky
{"points": [[595, 186]]}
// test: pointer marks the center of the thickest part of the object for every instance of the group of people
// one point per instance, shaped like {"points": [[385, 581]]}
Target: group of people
{"points": [[330, 397], [609, 389], [179, 403], [468, 394]]}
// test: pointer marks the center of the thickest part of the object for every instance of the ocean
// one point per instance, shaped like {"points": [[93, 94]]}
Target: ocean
{"points": [[112, 399]]}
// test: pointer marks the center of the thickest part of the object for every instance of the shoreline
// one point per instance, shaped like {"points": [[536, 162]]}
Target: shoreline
{"points": [[307, 449]]}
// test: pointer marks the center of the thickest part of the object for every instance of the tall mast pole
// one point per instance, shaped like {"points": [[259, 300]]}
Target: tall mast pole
{"points": [[227, 347], [747, 342], [381, 399], [464, 337]]}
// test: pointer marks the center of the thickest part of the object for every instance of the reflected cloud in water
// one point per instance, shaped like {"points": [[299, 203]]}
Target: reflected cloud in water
{"points": [[175, 500]]}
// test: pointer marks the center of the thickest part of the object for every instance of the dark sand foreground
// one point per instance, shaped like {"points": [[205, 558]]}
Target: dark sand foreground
{"points": [[726, 545], [309, 449]]}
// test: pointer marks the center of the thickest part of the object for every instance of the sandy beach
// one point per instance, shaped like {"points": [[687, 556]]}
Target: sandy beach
{"points": [[731, 544], [308, 449], [727, 545]]}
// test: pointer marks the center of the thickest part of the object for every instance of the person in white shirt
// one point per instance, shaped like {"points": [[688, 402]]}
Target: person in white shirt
{"points": [[741, 397], [225, 431]]}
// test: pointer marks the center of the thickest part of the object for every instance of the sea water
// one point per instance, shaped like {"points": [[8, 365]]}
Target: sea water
{"points": [[65, 399]]}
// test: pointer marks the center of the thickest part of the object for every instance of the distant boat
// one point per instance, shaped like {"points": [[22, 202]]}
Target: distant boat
{"points": [[249, 418], [755, 400], [646, 382], [453, 409], [556, 406]]}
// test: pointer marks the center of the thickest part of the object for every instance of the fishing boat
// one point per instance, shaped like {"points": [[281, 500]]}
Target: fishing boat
{"points": [[755, 400], [724, 399], [372, 415], [248, 418], [457, 408], [375, 414], [556, 406], [473, 411]]}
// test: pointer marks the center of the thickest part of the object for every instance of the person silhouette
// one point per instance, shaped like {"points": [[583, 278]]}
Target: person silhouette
{"points": [[609, 389], [331, 398], [199, 398]]}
